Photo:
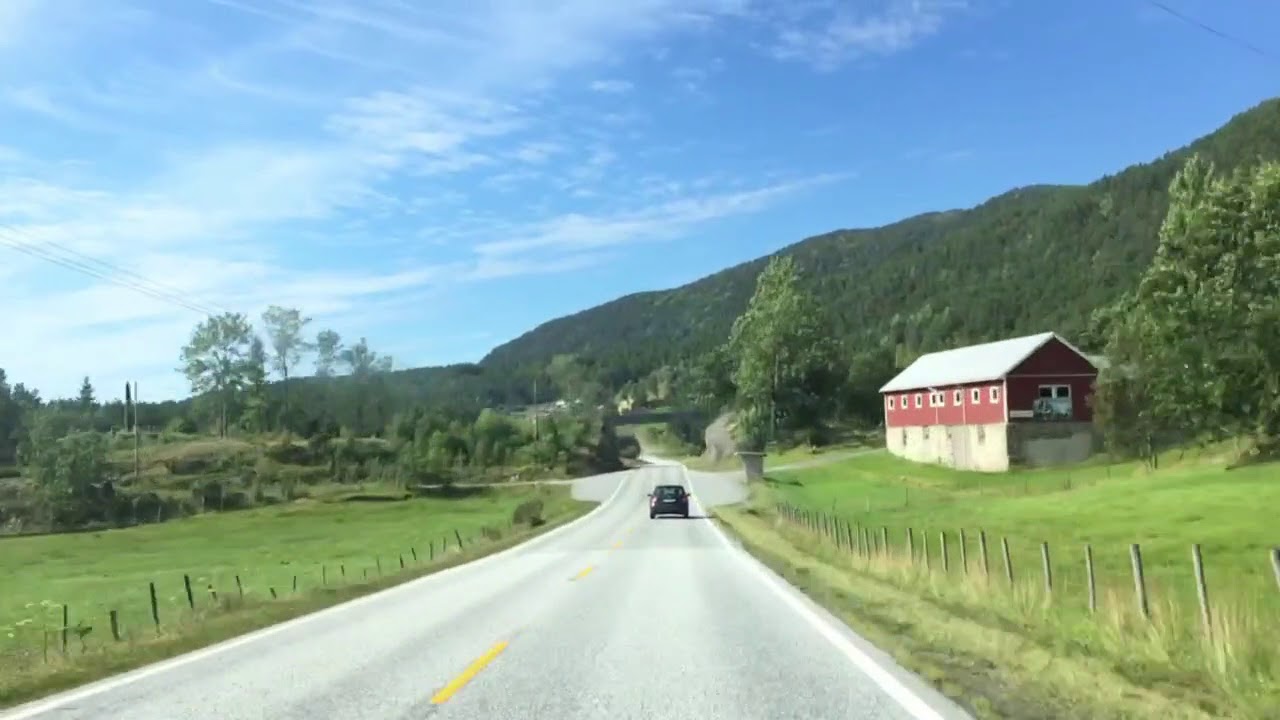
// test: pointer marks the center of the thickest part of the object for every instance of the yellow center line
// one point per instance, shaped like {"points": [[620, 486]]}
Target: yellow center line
{"points": [[583, 573], [465, 676]]}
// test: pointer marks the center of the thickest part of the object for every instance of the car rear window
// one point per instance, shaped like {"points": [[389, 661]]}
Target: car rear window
{"points": [[671, 492]]}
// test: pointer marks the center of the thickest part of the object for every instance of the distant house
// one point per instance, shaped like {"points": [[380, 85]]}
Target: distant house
{"points": [[984, 407]]}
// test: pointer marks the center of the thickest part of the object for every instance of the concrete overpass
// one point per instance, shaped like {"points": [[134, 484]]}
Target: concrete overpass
{"points": [[650, 417]]}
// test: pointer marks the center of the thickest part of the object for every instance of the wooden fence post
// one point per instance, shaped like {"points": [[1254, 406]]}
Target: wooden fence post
{"points": [[1093, 583], [401, 561], [911, 545], [964, 553], [324, 576], [1202, 590], [273, 592], [191, 599], [459, 536], [851, 545], [924, 547], [1275, 564], [1048, 568], [1008, 559], [155, 607], [414, 552], [295, 583], [378, 561], [1139, 580], [66, 623], [115, 625], [884, 541], [946, 556], [239, 587], [982, 549]]}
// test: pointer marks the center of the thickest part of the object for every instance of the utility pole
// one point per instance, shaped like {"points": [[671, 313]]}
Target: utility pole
{"points": [[535, 408], [137, 438]]}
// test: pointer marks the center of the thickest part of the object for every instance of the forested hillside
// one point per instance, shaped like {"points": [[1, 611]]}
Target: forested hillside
{"points": [[1033, 259]]}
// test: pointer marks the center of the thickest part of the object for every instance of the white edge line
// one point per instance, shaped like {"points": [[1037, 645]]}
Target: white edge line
{"points": [[37, 707], [915, 705]]}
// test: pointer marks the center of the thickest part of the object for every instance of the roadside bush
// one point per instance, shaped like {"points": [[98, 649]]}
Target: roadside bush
{"points": [[181, 425], [529, 513], [288, 452], [266, 471]]}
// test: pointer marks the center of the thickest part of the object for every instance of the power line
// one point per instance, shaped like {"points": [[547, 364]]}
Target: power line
{"points": [[1212, 30], [150, 288], [106, 266]]}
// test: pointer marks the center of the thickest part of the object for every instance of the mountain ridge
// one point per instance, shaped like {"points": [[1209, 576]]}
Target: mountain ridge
{"points": [[1036, 257]]}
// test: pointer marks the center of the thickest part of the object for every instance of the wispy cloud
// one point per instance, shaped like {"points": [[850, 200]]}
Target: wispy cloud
{"points": [[576, 232], [611, 87], [828, 35], [352, 158]]}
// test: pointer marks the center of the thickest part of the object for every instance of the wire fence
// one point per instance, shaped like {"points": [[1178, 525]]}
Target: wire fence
{"points": [[1063, 575], [58, 633]]}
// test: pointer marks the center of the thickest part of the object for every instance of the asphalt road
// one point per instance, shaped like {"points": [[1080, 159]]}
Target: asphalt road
{"points": [[615, 616]]}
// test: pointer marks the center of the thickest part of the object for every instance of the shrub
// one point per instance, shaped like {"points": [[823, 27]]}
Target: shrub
{"points": [[529, 513]]}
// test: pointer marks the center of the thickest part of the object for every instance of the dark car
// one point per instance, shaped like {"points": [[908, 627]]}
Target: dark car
{"points": [[668, 500]]}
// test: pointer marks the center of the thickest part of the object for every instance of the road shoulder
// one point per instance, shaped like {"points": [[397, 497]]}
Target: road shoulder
{"points": [[991, 672]]}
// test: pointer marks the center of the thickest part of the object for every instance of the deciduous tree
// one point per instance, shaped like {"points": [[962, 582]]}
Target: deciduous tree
{"points": [[284, 328], [784, 355], [215, 360], [328, 347]]}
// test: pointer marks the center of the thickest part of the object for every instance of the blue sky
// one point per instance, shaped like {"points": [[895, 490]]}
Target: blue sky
{"points": [[442, 176]]}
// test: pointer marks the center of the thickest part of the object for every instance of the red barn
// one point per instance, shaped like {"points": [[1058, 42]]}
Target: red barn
{"points": [[984, 407]]}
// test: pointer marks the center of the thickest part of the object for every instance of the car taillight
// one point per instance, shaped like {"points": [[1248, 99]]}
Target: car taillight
{"points": [[653, 501]]}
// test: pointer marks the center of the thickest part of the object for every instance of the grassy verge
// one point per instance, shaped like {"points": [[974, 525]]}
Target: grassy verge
{"points": [[802, 454], [1018, 650], [1191, 499], [329, 552]]}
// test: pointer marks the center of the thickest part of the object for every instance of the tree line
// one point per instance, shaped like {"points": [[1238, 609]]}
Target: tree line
{"points": [[75, 462], [1194, 349]]}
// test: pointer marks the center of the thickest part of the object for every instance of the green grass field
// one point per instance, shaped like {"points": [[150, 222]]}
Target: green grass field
{"points": [[775, 458], [333, 549], [948, 622], [1110, 506]]}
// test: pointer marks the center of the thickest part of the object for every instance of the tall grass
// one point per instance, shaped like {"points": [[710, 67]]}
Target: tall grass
{"points": [[1230, 669]]}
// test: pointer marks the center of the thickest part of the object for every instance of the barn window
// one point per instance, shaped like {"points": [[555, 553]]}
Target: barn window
{"points": [[995, 394], [903, 405], [977, 396], [958, 399], [919, 400], [890, 398], [1054, 401], [1055, 391]]}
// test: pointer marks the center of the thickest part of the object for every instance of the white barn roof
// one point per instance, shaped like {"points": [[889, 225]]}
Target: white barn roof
{"points": [[972, 364]]}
